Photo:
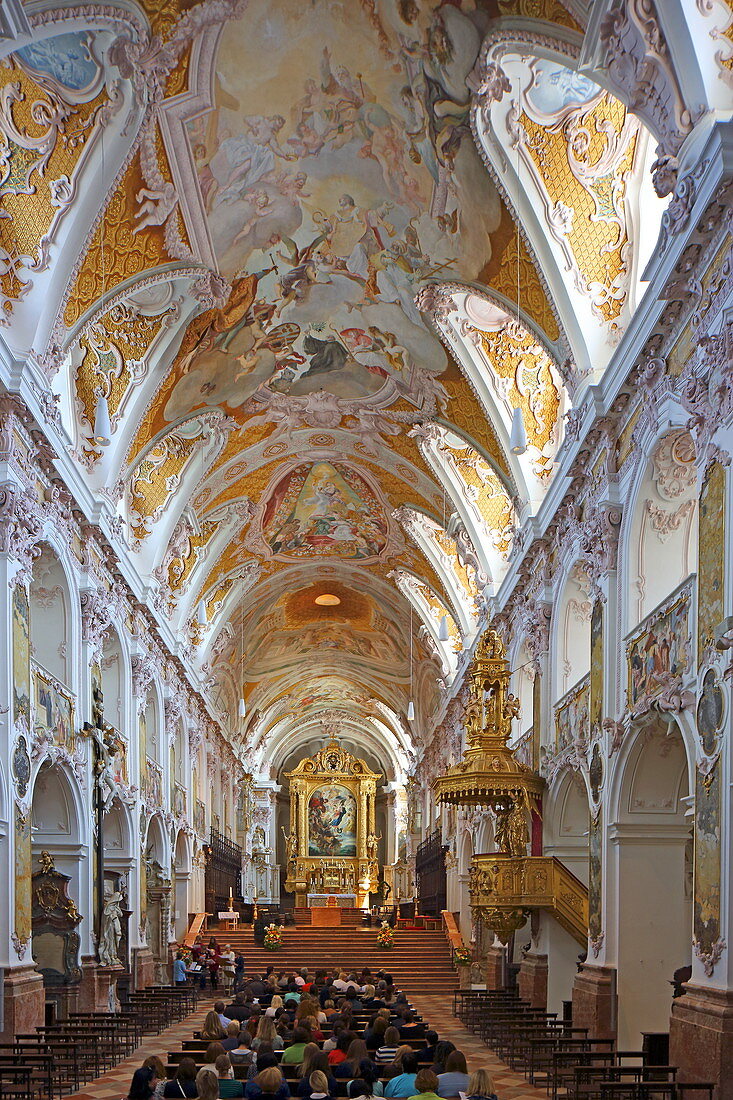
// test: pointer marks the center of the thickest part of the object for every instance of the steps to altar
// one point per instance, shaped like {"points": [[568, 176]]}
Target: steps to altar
{"points": [[419, 961]]}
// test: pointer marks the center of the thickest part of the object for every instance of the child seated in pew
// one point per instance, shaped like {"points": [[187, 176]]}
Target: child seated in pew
{"points": [[387, 1051], [232, 1039]]}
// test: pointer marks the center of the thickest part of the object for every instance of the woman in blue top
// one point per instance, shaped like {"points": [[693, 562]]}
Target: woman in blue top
{"points": [[179, 969]]}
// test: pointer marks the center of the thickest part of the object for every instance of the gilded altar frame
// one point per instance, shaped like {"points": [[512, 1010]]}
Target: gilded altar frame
{"points": [[308, 872]]}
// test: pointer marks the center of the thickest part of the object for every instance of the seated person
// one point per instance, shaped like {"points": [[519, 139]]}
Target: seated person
{"points": [[387, 1051], [275, 1003], [232, 1039], [480, 1086], [431, 1042], [394, 1068], [228, 1087], [355, 1055], [374, 1034], [318, 1061], [238, 1009], [455, 1078], [404, 1083], [267, 1033], [184, 1082], [269, 1083], [442, 1050], [425, 1085], [293, 1055], [241, 1054], [367, 1077], [411, 1028], [318, 1085], [338, 1054], [353, 1000]]}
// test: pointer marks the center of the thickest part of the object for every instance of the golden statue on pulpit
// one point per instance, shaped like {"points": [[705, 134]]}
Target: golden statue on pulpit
{"points": [[332, 843]]}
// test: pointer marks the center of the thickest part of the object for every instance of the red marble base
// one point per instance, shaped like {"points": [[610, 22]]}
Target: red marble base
{"points": [[701, 1037], [533, 980], [24, 1001], [493, 967], [594, 1001], [143, 967], [95, 985]]}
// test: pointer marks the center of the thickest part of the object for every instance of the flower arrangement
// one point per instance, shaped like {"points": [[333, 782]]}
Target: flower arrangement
{"points": [[273, 937], [462, 957], [385, 935]]}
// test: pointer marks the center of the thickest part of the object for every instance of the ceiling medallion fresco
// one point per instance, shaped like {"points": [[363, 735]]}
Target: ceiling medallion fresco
{"points": [[335, 181], [322, 510]]}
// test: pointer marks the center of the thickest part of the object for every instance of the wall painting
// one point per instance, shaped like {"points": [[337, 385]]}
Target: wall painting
{"points": [[53, 710], [23, 874], [595, 881], [711, 557], [572, 721], [706, 914], [332, 821], [21, 656], [659, 650]]}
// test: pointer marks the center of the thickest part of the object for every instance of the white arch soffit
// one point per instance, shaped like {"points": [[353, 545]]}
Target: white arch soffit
{"points": [[495, 117], [415, 522], [477, 371], [486, 312], [406, 582], [492, 563], [244, 575]]}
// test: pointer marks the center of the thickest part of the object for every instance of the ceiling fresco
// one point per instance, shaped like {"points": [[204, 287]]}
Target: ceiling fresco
{"points": [[307, 301]]}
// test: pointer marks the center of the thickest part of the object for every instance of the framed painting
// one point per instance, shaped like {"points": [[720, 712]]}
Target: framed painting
{"points": [[332, 821], [572, 715], [53, 709], [659, 650]]}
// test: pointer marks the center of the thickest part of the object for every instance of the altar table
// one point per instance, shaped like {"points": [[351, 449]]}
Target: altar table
{"points": [[230, 919], [326, 916]]}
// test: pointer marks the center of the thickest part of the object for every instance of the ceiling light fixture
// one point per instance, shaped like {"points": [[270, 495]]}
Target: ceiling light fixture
{"points": [[201, 613], [443, 633], [518, 436], [327, 599], [102, 426], [410, 705], [242, 709]]}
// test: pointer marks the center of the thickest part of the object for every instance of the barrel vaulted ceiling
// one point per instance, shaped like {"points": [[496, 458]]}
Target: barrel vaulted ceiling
{"points": [[282, 241]]}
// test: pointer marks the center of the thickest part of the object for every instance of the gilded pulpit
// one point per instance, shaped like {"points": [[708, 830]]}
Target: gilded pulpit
{"points": [[332, 844]]}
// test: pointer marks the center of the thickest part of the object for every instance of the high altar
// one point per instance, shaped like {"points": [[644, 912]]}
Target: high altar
{"points": [[332, 845]]}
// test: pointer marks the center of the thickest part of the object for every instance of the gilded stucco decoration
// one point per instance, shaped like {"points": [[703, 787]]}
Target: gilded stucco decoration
{"points": [[580, 143], [53, 103]]}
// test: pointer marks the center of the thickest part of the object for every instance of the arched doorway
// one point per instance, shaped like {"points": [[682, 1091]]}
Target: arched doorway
{"points": [[651, 840]]}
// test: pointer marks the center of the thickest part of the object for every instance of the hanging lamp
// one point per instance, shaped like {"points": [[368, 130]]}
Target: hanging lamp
{"points": [[518, 436], [102, 426], [443, 633]]}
